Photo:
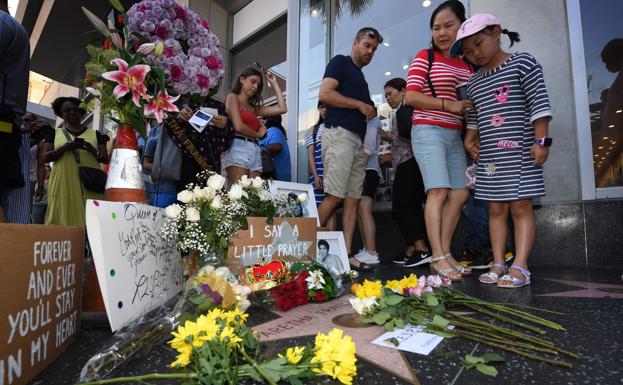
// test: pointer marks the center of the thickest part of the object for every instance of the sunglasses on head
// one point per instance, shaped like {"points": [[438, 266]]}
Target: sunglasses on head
{"points": [[371, 33]]}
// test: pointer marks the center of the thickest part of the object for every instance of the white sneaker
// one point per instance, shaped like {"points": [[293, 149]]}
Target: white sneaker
{"points": [[365, 257]]}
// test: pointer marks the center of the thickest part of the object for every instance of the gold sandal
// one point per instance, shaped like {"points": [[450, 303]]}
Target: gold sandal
{"points": [[450, 272]]}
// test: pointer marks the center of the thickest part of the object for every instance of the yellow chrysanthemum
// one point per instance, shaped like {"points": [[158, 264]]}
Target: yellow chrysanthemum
{"points": [[207, 328], [398, 286], [336, 355], [182, 360], [294, 355], [236, 316], [231, 336], [186, 337], [369, 289]]}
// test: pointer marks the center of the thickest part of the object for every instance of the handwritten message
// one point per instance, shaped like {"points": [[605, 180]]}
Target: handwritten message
{"points": [[411, 339], [40, 286], [291, 239], [136, 269]]}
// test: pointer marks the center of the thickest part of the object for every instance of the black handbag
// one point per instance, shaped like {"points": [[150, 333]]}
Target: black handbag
{"points": [[268, 165], [93, 179]]}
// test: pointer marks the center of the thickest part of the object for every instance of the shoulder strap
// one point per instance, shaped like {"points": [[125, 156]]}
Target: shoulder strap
{"points": [[431, 58], [75, 152], [186, 143]]}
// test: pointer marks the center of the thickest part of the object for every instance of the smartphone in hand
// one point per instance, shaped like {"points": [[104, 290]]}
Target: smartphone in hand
{"points": [[200, 120]]}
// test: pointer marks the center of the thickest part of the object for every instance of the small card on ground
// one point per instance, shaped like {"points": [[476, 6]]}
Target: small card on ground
{"points": [[411, 339]]}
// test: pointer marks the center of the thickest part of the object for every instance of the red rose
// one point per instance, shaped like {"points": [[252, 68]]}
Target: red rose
{"points": [[212, 62], [203, 81], [176, 73], [204, 24], [161, 32], [180, 12], [320, 296]]}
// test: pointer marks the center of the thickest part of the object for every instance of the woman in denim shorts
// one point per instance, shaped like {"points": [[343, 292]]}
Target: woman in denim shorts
{"points": [[244, 104], [436, 134]]}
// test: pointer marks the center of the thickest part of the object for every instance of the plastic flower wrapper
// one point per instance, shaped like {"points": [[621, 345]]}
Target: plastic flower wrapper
{"points": [[219, 348], [211, 288], [430, 301]]}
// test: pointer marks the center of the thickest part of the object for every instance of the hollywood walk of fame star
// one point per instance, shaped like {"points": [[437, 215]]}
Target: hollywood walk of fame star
{"points": [[589, 289], [317, 318]]}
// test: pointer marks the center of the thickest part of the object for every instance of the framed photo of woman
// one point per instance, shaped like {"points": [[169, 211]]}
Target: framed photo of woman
{"points": [[331, 251]]}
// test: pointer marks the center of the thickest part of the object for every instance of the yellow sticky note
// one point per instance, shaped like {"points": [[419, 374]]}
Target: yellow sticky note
{"points": [[6, 127]]}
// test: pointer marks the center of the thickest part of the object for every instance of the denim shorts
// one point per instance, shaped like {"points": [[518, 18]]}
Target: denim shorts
{"points": [[440, 155], [244, 154]]}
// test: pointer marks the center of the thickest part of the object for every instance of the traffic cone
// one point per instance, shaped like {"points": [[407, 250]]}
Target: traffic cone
{"points": [[125, 178]]}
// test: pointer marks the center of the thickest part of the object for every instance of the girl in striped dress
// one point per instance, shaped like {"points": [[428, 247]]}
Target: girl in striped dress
{"points": [[508, 136]]}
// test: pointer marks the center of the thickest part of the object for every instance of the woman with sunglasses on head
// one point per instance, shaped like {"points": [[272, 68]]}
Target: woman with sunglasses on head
{"points": [[244, 104], [432, 84]]}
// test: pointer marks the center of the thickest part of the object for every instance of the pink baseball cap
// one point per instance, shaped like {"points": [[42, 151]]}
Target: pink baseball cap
{"points": [[472, 26]]}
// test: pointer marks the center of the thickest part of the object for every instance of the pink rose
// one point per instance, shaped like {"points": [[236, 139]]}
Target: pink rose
{"points": [[176, 72], [203, 81], [180, 12], [212, 62], [204, 24], [162, 32]]}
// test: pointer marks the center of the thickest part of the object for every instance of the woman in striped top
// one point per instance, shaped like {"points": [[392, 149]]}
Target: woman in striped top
{"points": [[507, 134], [436, 134]]}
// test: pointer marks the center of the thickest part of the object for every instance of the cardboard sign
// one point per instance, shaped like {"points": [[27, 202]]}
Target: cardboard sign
{"points": [[40, 287], [136, 269], [287, 239]]}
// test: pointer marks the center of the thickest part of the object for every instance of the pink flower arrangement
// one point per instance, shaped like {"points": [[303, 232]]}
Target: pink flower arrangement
{"points": [[191, 58]]}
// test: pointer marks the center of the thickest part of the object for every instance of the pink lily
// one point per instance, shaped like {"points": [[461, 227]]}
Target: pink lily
{"points": [[128, 79], [161, 103]]}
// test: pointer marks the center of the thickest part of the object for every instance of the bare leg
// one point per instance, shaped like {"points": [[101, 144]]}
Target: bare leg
{"points": [[368, 226], [2, 216], [234, 173], [253, 174], [498, 229], [435, 200], [523, 220], [451, 214], [327, 208], [332, 222]]}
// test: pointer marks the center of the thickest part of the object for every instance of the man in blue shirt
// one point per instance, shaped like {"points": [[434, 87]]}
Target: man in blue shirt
{"points": [[276, 143], [345, 92]]}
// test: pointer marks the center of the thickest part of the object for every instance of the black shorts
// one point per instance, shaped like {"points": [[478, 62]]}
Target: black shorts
{"points": [[370, 183]]}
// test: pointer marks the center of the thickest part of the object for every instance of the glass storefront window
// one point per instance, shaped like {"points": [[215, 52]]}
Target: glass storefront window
{"points": [[312, 60], [603, 53]]}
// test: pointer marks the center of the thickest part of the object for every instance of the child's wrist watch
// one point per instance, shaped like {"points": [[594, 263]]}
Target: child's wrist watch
{"points": [[545, 142]]}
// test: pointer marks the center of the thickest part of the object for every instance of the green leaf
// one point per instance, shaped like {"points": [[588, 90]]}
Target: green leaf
{"points": [[487, 370], [473, 359], [440, 321], [400, 323], [445, 354], [393, 300], [431, 300], [390, 326], [117, 5], [380, 318], [493, 357], [393, 341]]}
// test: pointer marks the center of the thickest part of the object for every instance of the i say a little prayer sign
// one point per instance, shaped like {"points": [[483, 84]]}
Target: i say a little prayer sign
{"points": [[286, 239]]}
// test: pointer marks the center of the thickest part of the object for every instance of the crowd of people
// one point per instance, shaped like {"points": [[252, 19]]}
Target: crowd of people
{"points": [[464, 98]]}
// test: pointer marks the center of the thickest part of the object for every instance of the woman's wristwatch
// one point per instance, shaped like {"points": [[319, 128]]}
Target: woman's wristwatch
{"points": [[545, 142]]}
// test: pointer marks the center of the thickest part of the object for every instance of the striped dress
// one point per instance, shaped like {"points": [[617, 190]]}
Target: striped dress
{"points": [[507, 100], [309, 141]]}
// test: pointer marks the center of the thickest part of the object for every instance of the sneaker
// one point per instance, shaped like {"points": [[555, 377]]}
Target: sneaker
{"points": [[418, 258], [486, 261], [400, 259], [365, 257]]}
